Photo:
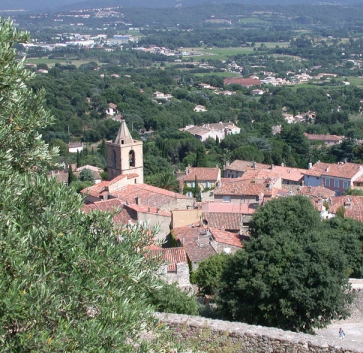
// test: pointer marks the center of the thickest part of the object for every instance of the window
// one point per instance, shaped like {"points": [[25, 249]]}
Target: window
{"points": [[257, 198], [207, 184], [193, 184], [336, 193], [327, 182], [226, 198], [336, 183], [190, 194], [345, 185]]}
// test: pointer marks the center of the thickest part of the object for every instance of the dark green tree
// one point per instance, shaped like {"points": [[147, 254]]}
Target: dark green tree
{"points": [[201, 157], [208, 274], [71, 176], [248, 153], [291, 274], [86, 175]]}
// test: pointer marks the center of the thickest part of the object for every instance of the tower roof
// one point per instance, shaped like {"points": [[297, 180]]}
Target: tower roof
{"points": [[123, 136]]}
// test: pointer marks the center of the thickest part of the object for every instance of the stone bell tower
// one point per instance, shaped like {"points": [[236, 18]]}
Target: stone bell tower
{"points": [[124, 155]]}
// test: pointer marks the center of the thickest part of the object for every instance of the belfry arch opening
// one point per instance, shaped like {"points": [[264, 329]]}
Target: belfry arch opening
{"points": [[132, 158]]}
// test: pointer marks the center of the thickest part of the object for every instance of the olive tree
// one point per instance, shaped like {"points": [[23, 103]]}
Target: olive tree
{"points": [[69, 281]]}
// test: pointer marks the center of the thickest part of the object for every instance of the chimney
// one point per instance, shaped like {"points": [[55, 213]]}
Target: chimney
{"points": [[272, 166], [137, 200], [310, 165], [282, 164], [254, 165]]}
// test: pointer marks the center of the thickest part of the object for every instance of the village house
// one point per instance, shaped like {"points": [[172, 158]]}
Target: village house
{"points": [[112, 109], [238, 167], [95, 171], [207, 179], [217, 130], [334, 176], [328, 140], [200, 108], [75, 147], [174, 266], [60, 176], [162, 96], [202, 242], [352, 206], [232, 217], [240, 191]]}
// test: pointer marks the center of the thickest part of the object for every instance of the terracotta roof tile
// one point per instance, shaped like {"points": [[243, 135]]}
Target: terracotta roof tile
{"points": [[123, 215], [220, 220], [147, 195], [172, 256], [339, 170], [148, 209], [196, 245], [240, 187], [202, 174], [224, 237], [353, 206], [316, 191], [243, 166]]}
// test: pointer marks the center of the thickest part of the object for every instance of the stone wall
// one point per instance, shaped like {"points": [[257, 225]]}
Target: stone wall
{"points": [[224, 336]]}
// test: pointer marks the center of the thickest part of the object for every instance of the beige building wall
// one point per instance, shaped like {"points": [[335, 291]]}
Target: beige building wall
{"points": [[182, 218], [156, 219]]}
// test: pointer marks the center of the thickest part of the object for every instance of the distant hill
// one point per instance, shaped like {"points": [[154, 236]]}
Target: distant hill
{"points": [[44, 5]]}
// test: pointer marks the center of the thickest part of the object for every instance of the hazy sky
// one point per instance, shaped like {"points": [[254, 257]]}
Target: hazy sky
{"points": [[34, 4]]}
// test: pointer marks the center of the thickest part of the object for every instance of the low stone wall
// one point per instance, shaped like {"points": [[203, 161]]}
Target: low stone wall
{"points": [[233, 337]]}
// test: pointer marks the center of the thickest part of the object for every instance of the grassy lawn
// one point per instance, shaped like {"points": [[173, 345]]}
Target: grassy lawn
{"points": [[224, 53]]}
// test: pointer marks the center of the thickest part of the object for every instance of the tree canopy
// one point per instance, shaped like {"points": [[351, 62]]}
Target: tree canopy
{"points": [[292, 274]]}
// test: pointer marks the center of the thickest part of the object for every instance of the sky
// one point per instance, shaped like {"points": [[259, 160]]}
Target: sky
{"points": [[34, 4]]}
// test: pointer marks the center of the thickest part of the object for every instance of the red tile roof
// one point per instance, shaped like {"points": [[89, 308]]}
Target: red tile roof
{"points": [[240, 187], [243, 166], [148, 209], [196, 245], [123, 215], [147, 195], [224, 237], [339, 170], [316, 191], [291, 174], [220, 220], [172, 256], [353, 206], [202, 174]]}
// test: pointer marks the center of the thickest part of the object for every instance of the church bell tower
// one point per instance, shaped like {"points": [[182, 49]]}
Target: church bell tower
{"points": [[124, 155]]}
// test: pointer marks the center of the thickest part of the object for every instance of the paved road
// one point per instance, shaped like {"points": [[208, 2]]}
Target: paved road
{"points": [[353, 334]]}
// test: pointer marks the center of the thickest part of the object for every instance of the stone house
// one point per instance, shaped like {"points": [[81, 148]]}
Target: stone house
{"points": [[174, 266], [334, 176], [207, 179], [201, 242], [220, 130]]}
